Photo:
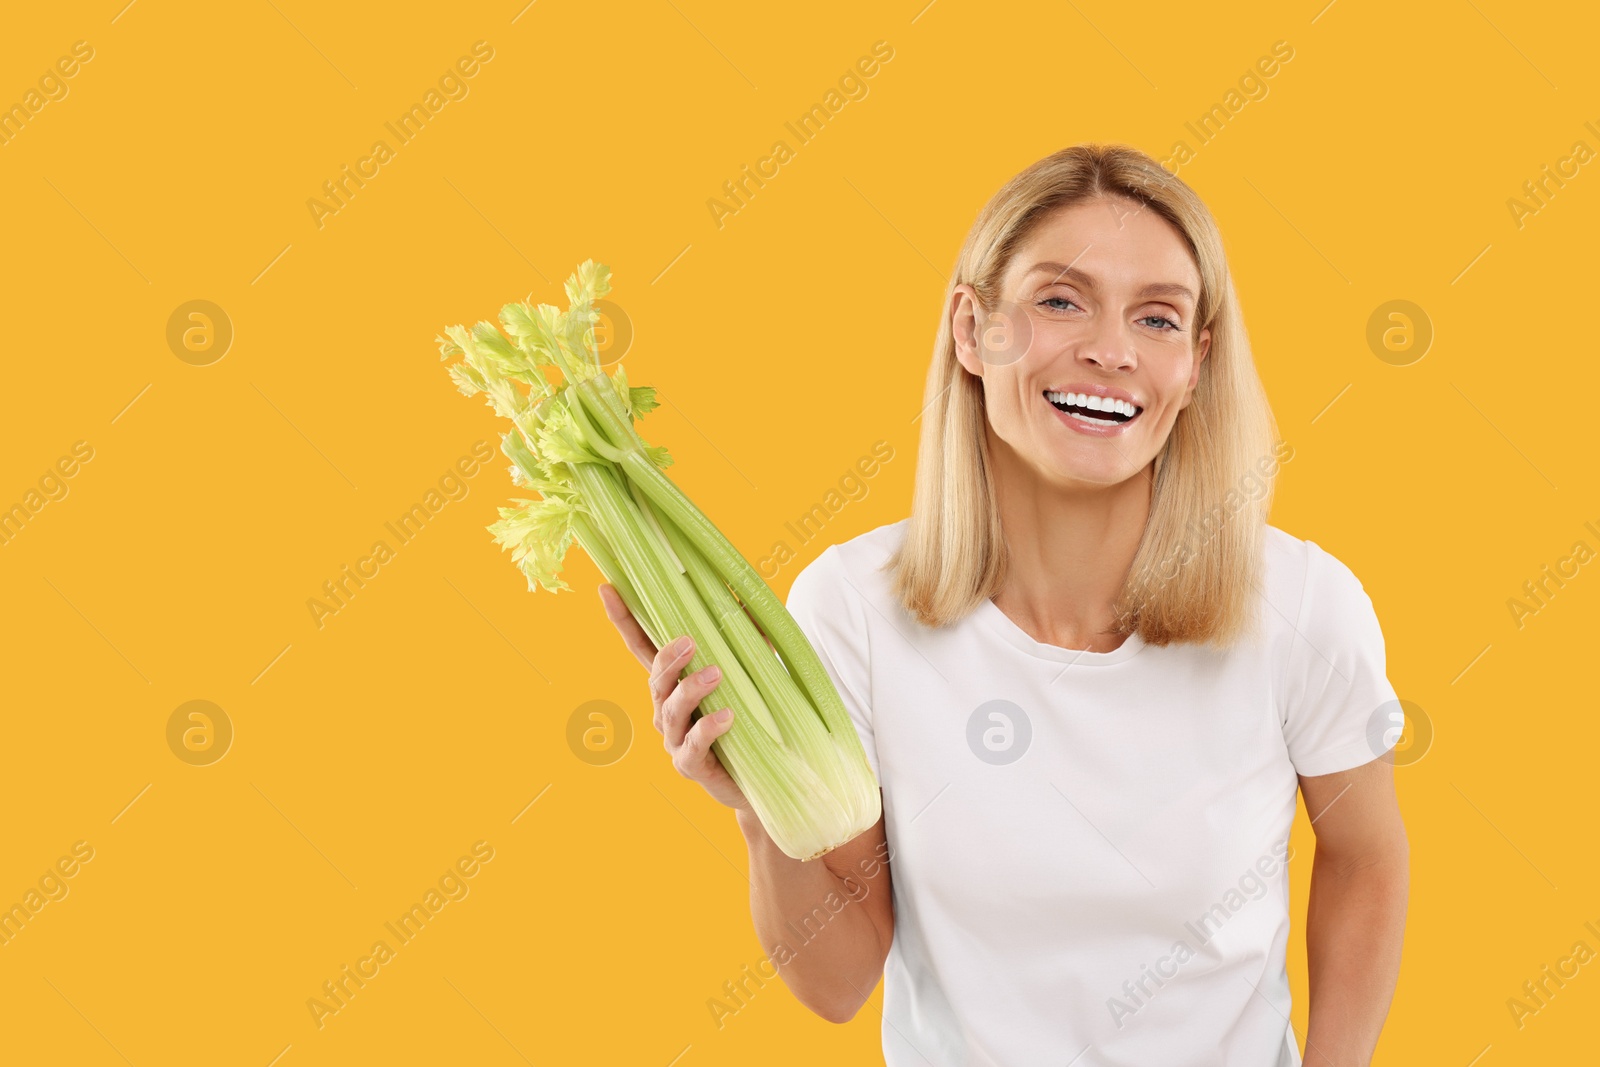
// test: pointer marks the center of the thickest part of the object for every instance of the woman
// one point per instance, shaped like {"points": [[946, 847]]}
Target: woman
{"points": [[1090, 678]]}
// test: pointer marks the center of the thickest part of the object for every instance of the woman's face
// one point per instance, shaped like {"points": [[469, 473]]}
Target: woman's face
{"points": [[1095, 322]]}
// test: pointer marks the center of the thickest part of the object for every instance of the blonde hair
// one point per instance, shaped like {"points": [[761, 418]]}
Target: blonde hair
{"points": [[1196, 571]]}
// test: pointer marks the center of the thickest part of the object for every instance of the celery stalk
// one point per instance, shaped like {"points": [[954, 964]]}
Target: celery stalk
{"points": [[791, 749]]}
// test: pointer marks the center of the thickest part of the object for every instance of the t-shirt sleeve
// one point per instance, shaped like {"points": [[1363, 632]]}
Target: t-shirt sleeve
{"points": [[1337, 679], [831, 613]]}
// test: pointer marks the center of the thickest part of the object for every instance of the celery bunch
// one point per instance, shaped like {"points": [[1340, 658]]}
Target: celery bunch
{"points": [[792, 749]]}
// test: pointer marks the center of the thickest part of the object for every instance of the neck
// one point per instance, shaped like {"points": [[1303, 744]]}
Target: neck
{"points": [[1070, 550]]}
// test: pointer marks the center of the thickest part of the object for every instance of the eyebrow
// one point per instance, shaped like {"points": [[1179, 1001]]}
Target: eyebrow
{"points": [[1064, 271]]}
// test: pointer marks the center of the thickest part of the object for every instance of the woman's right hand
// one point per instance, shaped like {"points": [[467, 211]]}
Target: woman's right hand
{"points": [[674, 699]]}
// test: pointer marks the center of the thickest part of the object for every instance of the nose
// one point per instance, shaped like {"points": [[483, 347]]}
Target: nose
{"points": [[1106, 344]]}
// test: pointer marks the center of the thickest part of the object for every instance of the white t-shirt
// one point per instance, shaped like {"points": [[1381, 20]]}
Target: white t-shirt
{"points": [[1088, 849]]}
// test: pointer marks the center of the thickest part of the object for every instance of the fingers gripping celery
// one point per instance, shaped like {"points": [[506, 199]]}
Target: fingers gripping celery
{"points": [[792, 749]]}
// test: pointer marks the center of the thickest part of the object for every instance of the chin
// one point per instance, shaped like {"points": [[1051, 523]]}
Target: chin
{"points": [[1080, 476]]}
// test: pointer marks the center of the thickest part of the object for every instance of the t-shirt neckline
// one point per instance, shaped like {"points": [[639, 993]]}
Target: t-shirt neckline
{"points": [[990, 615]]}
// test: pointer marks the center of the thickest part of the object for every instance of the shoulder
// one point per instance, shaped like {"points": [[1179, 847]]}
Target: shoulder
{"points": [[1311, 584], [1306, 583], [1317, 612], [1332, 662], [1325, 620], [850, 569]]}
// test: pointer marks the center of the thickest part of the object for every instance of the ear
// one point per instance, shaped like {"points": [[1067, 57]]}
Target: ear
{"points": [[1202, 349], [964, 317]]}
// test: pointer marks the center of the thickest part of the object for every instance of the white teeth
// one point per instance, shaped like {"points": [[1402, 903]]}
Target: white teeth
{"points": [[1094, 403]]}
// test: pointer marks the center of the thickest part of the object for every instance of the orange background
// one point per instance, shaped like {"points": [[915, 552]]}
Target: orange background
{"points": [[369, 754]]}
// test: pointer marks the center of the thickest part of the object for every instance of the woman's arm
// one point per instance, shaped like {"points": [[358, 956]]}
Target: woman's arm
{"points": [[826, 923], [1356, 917]]}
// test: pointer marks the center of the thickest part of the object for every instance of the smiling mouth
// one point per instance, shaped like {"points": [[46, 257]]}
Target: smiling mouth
{"points": [[1093, 409]]}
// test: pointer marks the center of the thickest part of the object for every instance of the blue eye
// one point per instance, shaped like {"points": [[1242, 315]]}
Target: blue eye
{"points": [[1052, 302]]}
